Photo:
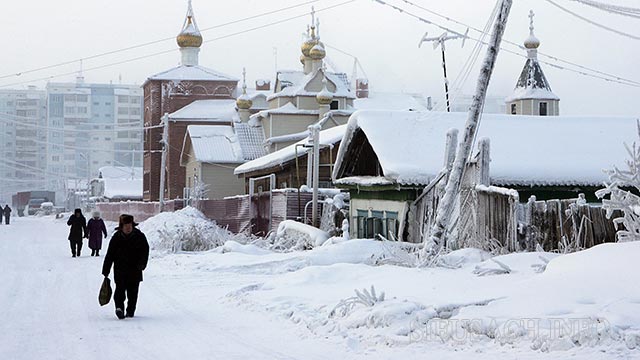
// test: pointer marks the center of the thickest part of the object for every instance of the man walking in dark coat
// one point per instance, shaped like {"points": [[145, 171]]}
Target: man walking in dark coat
{"points": [[1, 214], [96, 228], [7, 214], [78, 231], [128, 251]]}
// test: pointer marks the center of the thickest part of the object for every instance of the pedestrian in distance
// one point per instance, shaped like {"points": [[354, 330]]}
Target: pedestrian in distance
{"points": [[7, 214], [78, 231], [1, 214], [128, 252], [95, 230]]}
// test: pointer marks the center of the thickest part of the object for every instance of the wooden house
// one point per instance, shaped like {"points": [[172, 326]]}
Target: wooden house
{"points": [[387, 158], [290, 163]]}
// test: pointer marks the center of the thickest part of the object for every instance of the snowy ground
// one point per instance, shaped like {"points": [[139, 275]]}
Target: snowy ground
{"points": [[243, 302]]}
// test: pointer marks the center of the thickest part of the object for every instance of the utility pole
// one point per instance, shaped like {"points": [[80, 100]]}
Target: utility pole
{"points": [[315, 130], [163, 162], [87, 157], [133, 169], [445, 208], [440, 41]]}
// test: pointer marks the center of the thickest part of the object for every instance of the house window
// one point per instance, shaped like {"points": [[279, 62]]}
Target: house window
{"points": [[371, 224], [513, 109], [334, 105], [543, 109]]}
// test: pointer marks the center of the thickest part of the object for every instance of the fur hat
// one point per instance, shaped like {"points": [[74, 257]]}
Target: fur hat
{"points": [[126, 219]]}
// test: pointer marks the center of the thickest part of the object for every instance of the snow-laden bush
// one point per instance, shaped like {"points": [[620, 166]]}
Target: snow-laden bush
{"points": [[186, 230], [624, 200], [365, 298], [294, 236]]}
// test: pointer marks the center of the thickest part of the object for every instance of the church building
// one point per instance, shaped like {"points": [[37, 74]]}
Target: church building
{"points": [[533, 95], [169, 91]]}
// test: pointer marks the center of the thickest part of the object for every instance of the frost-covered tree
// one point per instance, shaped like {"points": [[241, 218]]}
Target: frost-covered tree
{"points": [[620, 180]]}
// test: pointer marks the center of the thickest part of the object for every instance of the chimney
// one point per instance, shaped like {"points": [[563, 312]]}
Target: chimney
{"points": [[362, 88], [262, 84]]}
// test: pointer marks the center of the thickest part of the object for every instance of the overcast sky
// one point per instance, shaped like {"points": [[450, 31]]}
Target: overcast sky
{"points": [[38, 33]]}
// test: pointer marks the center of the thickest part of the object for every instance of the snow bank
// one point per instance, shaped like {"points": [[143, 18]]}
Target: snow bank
{"points": [[184, 230], [293, 235], [582, 299]]}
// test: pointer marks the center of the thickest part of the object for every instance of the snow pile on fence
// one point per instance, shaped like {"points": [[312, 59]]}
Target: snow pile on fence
{"points": [[185, 230], [292, 235]]}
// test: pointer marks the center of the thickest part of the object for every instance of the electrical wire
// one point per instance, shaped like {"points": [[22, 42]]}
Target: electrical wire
{"points": [[634, 37], [614, 9], [6, 118], [555, 58], [111, 52], [608, 79], [173, 50]]}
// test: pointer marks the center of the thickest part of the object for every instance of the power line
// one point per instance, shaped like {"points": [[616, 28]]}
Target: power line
{"points": [[153, 42], [625, 82], [555, 58], [5, 119], [614, 9], [593, 22], [172, 50]]}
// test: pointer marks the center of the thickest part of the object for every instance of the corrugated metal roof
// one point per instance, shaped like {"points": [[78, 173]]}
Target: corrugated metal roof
{"points": [[329, 136], [251, 140], [215, 144]]}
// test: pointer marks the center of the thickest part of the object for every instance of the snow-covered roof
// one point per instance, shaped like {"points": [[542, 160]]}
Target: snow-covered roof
{"points": [[215, 144], [207, 110], [290, 77], [532, 84], [120, 172], [300, 84], [525, 150], [123, 188], [330, 136], [390, 101], [194, 72], [290, 109]]}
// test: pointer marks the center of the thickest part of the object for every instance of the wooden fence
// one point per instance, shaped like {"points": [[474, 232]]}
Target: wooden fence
{"points": [[487, 219], [563, 224], [260, 214], [240, 214]]}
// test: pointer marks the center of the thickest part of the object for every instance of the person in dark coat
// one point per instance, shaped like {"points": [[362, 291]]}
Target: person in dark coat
{"points": [[78, 231], [7, 214], [95, 230], [1, 214], [128, 251]]}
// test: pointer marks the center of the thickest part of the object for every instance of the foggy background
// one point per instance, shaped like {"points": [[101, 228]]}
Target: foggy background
{"points": [[42, 33]]}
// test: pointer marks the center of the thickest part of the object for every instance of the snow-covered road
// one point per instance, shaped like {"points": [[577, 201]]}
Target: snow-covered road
{"points": [[50, 309], [245, 302]]}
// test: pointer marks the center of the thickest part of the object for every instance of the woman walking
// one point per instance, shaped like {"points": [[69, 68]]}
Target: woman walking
{"points": [[96, 229]]}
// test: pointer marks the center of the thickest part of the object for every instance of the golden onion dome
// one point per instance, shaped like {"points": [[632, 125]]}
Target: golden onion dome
{"points": [[324, 97], [318, 52], [532, 42], [307, 46], [302, 59], [244, 102], [190, 35], [310, 43]]}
